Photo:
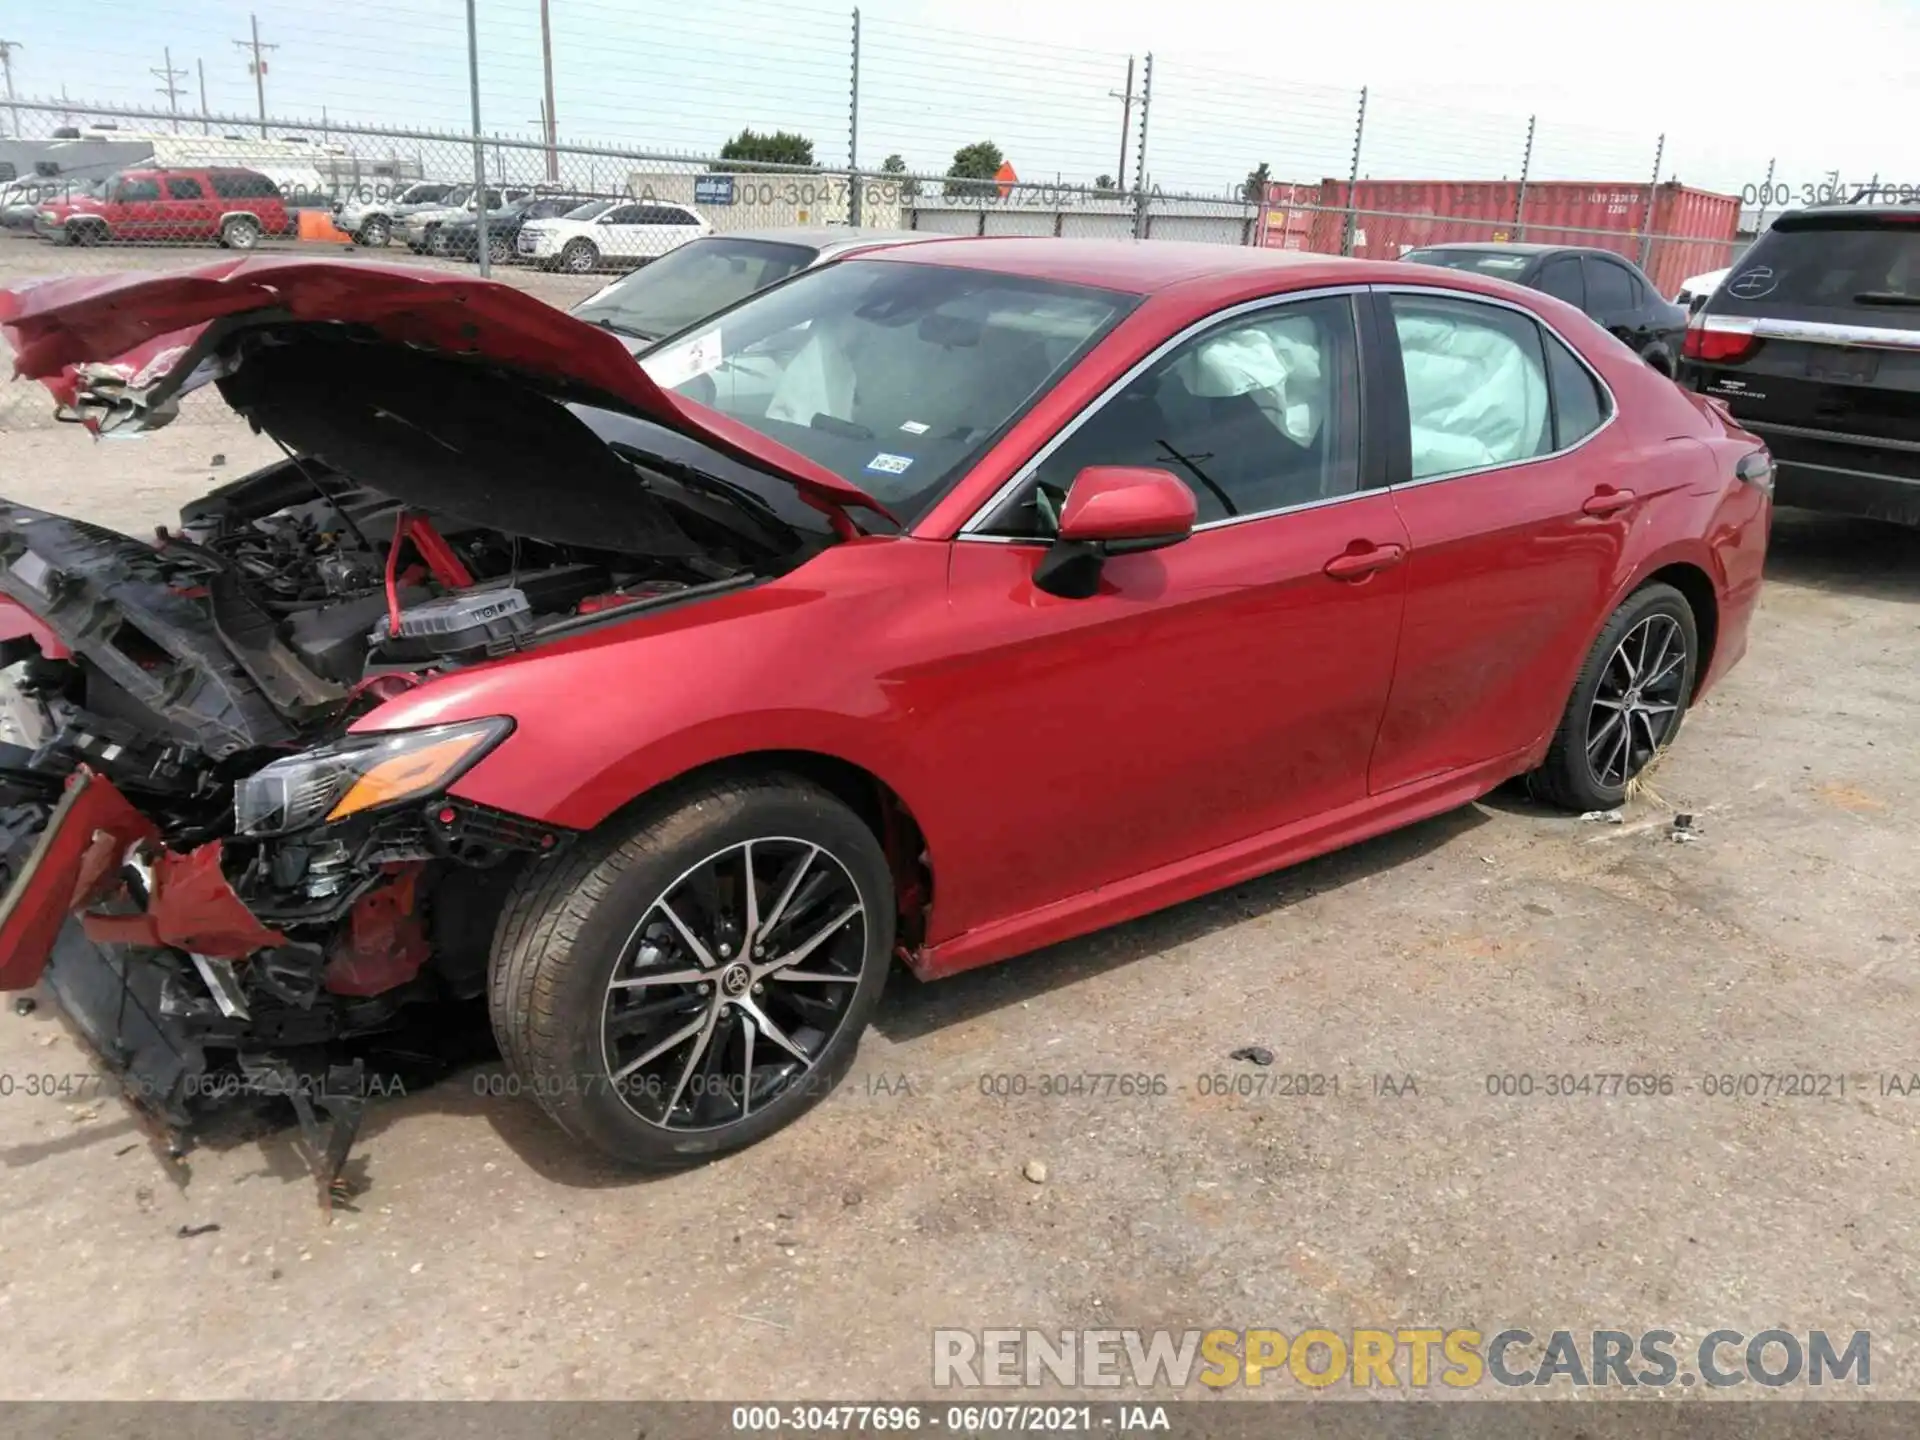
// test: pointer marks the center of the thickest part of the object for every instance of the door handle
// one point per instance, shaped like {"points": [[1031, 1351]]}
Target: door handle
{"points": [[1606, 502], [1358, 564]]}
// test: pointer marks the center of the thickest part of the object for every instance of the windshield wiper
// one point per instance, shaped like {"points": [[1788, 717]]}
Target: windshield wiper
{"points": [[1885, 297], [1189, 462], [767, 520], [618, 328]]}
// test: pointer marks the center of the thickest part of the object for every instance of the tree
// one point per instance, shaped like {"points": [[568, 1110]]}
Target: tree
{"points": [[977, 163], [750, 149], [1255, 190], [1103, 182], [896, 164]]}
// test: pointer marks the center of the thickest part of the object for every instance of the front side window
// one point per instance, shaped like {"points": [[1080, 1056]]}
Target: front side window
{"points": [[893, 376], [1476, 384], [694, 281], [1260, 414], [625, 215], [133, 191]]}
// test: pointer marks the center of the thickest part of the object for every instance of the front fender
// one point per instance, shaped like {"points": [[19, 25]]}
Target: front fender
{"points": [[818, 660]]}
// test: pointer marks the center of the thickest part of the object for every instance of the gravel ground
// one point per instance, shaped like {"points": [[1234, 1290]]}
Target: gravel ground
{"points": [[490, 1258]]}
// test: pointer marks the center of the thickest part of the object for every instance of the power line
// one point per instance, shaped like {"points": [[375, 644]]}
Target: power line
{"points": [[169, 86], [257, 67]]}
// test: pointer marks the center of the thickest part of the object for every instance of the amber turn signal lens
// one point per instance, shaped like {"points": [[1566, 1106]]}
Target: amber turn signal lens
{"points": [[413, 772]]}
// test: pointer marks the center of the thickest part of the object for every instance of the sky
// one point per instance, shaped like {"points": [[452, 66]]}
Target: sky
{"points": [[1731, 86]]}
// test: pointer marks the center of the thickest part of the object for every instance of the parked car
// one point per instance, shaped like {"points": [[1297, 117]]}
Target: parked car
{"points": [[710, 273], [1056, 581], [371, 212], [1695, 290], [1813, 343], [626, 232], [420, 230], [1606, 287], [21, 200], [232, 206], [462, 237]]}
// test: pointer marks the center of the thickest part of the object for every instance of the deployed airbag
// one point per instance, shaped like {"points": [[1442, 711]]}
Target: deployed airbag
{"points": [[1475, 394]]}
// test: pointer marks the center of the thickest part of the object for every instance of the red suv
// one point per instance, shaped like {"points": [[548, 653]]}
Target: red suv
{"points": [[234, 207]]}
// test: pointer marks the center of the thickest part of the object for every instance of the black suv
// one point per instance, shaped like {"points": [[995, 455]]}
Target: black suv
{"points": [[1608, 288], [1813, 343]]}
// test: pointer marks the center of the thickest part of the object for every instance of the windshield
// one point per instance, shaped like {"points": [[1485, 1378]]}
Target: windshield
{"points": [[893, 376], [1868, 266], [690, 283], [1500, 263]]}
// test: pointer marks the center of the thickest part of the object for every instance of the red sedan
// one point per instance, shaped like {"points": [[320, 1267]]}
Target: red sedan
{"points": [[936, 604]]}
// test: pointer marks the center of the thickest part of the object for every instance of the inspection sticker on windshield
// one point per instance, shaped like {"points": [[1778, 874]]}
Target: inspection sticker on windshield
{"points": [[913, 427], [684, 361], [887, 464]]}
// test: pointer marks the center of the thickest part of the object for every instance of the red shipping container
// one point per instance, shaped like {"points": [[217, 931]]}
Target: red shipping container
{"points": [[1694, 230]]}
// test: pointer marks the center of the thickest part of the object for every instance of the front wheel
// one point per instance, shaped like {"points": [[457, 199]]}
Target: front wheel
{"points": [[498, 249], [698, 979], [376, 232], [1627, 702], [580, 257]]}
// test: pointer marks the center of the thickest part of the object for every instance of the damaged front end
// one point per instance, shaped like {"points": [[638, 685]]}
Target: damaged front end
{"points": [[233, 882]]}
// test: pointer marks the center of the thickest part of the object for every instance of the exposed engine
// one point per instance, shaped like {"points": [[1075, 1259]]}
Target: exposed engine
{"points": [[237, 934]]}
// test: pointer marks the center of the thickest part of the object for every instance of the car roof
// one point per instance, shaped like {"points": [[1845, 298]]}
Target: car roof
{"points": [[1136, 266]]}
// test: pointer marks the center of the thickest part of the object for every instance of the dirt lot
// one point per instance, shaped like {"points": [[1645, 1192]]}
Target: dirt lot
{"points": [[488, 1258]]}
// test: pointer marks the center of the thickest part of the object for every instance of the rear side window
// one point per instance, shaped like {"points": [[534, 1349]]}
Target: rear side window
{"points": [[1609, 287], [1476, 379], [1580, 406], [243, 185], [184, 187], [1868, 267], [1560, 278]]}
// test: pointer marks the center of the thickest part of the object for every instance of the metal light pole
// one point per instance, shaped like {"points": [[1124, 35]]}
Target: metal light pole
{"points": [[1125, 97], [549, 119], [7, 47], [853, 130], [479, 146]]}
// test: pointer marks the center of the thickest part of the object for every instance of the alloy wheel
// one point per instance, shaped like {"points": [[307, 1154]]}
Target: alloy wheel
{"points": [[734, 983], [1637, 703]]}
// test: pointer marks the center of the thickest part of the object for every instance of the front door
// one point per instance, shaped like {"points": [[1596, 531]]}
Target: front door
{"points": [[1210, 691]]}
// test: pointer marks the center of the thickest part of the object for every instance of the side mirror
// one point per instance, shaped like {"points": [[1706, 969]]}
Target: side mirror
{"points": [[1112, 510]]}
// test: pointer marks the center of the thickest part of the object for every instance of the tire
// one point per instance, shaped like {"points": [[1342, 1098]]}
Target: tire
{"points": [[498, 250], [89, 234], [569, 930], [1580, 771], [240, 233], [376, 233], [580, 257], [1659, 358]]}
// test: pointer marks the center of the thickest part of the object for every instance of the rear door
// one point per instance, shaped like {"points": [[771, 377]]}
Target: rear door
{"points": [[1813, 343], [623, 232], [190, 212], [1511, 490], [1615, 300]]}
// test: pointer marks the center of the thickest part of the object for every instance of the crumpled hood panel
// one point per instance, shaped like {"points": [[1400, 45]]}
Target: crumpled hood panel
{"points": [[97, 336]]}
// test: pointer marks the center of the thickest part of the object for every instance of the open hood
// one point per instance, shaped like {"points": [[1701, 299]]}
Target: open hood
{"points": [[119, 350]]}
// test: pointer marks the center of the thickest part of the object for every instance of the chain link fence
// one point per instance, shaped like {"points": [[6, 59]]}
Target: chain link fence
{"points": [[902, 126]]}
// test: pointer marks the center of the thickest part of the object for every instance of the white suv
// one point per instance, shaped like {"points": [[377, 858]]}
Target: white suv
{"points": [[626, 232]]}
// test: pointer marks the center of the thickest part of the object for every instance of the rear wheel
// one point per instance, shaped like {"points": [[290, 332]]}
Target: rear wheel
{"points": [[242, 232], [1659, 357], [1627, 702], [498, 249], [700, 978], [580, 257]]}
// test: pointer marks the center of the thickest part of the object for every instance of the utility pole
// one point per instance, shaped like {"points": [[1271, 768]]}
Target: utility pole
{"points": [[206, 125], [169, 88], [1125, 97], [853, 129], [548, 119], [257, 67], [479, 146], [7, 47]]}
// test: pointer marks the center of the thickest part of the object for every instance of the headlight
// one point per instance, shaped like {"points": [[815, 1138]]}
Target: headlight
{"points": [[361, 772]]}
